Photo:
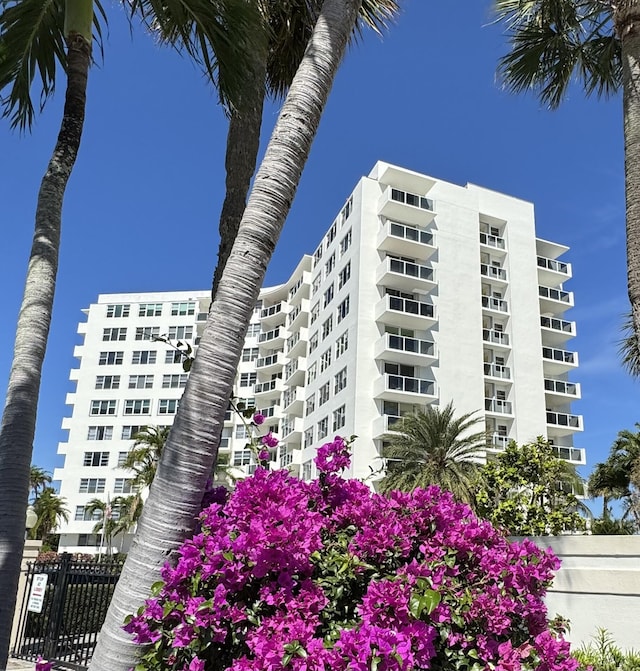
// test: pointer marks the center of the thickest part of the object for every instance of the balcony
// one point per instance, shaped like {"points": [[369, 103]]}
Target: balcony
{"points": [[497, 442], [297, 343], [274, 339], [396, 238], [299, 316], [554, 300], [300, 289], [497, 370], [493, 272], [495, 304], [269, 390], [493, 241], [558, 361], [410, 351], [496, 337], [404, 389], [385, 424], [552, 272], [403, 206], [569, 423], [271, 363], [574, 455], [405, 275], [272, 316], [405, 312], [556, 331], [562, 388], [270, 411], [295, 371], [292, 430], [498, 406], [293, 401]]}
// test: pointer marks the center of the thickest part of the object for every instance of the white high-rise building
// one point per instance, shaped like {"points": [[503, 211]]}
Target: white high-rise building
{"points": [[420, 292]]}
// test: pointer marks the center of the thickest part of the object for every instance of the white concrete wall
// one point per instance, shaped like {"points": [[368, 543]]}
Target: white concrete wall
{"points": [[598, 585]]}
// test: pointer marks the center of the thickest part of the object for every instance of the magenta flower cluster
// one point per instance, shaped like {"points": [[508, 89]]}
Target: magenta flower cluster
{"points": [[329, 576]]}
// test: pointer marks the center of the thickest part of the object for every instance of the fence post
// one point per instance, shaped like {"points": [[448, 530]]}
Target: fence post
{"points": [[29, 554], [57, 607]]}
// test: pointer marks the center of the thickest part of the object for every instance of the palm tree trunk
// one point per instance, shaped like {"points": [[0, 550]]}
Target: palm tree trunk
{"points": [[243, 143], [627, 20], [19, 417], [188, 458]]}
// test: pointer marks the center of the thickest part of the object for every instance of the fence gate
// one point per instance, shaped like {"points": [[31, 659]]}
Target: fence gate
{"points": [[63, 609]]}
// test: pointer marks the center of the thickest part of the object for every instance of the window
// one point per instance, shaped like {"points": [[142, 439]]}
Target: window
{"points": [[339, 418], [141, 406], [147, 332], [327, 296], [340, 381], [140, 381], [323, 428], [313, 342], [144, 356], [317, 255], [345, 243], [326, 327], [323, 394], [168, 406], [331, 233], [342, 344], [96, 459], [129, 432], [241, 432], [242, 458], [122, 458], [344, 275], [173, 356], [87, 540], [325, 360], [307, 472], [316, 284], [114, 334], [180, 332], [174, 381], [315, 311], [100, 433], [253, 330], [330, 265], [150, 310], [249, 354], [118, 310], [92, 485], [225, 437], [111, 358], [183, 309], [311, 373], [84, 515], [311, 404], [103, 407], [123, 486], [308, 437], [107, 382], [247, 379], [343, 309], [346, 210]]}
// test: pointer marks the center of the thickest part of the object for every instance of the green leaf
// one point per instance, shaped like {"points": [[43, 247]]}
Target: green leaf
{"points": [[186, 365], [286, 659], [156, 587]]}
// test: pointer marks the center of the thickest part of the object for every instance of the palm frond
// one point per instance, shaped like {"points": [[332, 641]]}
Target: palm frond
{"points": [[628, 348]]}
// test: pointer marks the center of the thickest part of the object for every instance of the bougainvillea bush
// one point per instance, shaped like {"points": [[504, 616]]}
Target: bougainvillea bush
{"points": [[329, 576]]}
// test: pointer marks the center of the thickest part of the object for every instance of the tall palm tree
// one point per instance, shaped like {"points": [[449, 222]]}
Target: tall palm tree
{"points": [[51, 509], [190, 452], [38, 480], [287, 25], [145, 453], [594, 43], [33, 36], [432, 447], [608, 482]]}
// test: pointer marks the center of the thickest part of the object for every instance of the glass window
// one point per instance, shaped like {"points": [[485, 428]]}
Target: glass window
{"points": [[110, 358], [248, 379], [323, 428], [140, 406], [114, 334], [340, 381], [311, 404], [96, 459], [183, 309], [92, 485], [100, 433], [147, 332], [129, 432], [174, 381], [313, 342], [123, 486], [150, 310], [344, 275], [140, 381], [144, 357], [345, 243], [325, 360], [168, 406], [339, 418], [343, 309], [103, 407], [118, 310], [107, 382], [342, 344], [327, 296], [323, 394], [180, 332]]}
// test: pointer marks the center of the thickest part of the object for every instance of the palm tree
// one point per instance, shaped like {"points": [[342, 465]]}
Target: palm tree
{"points": [[432, 447], [145, 453], [51, 509], [609, 482], [628, 348], [190, 452], [287, 27], [38, 480], [33, 36], [597, 44]]}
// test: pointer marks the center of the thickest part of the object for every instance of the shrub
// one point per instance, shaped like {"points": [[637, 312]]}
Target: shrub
{"points": [[604, 655], [327, 575]]}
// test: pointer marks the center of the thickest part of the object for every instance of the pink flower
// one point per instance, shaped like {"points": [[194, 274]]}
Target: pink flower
{"points": [[43, 665], [263, 455], [258, 419], [270, 440]]}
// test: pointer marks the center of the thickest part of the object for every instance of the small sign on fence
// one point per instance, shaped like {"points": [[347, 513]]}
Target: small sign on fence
{"points": [[36, 595]]}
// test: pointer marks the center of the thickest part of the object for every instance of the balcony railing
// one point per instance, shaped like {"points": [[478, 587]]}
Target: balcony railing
{"points": [[492, 303], [270, 311], [411, 307], [410, 269], [492, 241], [497, 337], [494, 272], [291, 395], [412, 385], [497, 405], [561, 387], [557, 324], [497, 441], [569, 453], [559, 355], [269, 335], [262, 387], [293, 340], [409, 233], [497, 370], [555, 294], [293, 314], [405, 344], [563, 419], [291, 368], [551, 264], [411, 199], [265, 361], [268, 412]]}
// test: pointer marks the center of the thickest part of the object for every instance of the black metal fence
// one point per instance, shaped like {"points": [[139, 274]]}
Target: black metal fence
{"points": [[72, 607]]}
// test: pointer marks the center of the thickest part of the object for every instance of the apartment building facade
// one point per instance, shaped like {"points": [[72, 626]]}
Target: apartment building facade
{"points": [[420, 292]]}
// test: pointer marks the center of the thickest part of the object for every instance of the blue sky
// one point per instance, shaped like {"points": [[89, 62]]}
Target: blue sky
{"points": [[142, 205]]}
